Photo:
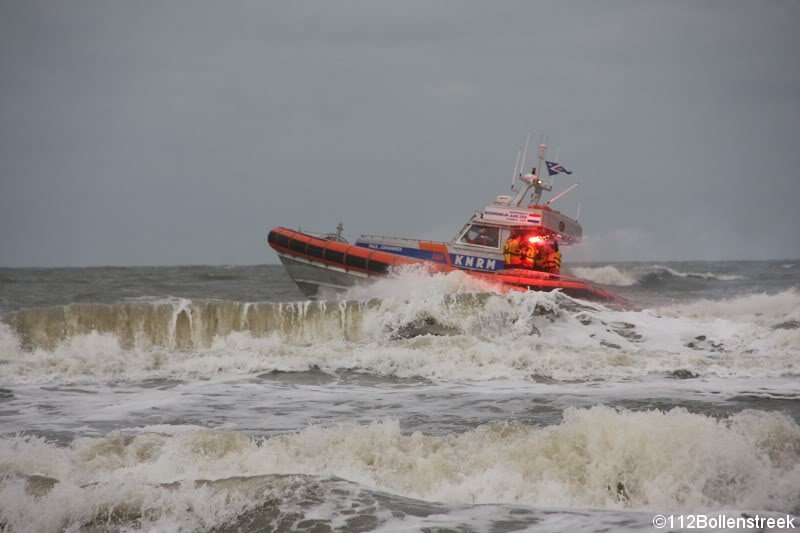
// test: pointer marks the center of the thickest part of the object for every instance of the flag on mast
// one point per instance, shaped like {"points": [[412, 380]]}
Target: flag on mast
{"points": [[554, 168]]}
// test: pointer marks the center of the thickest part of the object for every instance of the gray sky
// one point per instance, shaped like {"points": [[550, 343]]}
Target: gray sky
{"points": [[177, 132]]}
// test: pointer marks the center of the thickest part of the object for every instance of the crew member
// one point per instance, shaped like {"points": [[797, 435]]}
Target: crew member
{"points": [[512, 251], [530, 251], [485, 238], [552, 261]]}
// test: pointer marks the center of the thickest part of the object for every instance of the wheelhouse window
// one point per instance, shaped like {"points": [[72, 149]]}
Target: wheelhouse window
{"points": [[482, 236]]}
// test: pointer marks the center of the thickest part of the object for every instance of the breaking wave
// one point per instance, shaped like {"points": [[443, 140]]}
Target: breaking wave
{"points": [[428, 334], [417, 281], [773, 310], [626, 277], [185, 325], [598, 458]]}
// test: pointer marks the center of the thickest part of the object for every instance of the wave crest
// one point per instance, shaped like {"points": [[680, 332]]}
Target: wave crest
{"points": [[596, 458], [471, 336], [626, 277], [760, 308]]}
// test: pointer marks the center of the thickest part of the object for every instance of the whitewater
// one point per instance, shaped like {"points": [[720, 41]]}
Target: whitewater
{"points": [[218, 399]]}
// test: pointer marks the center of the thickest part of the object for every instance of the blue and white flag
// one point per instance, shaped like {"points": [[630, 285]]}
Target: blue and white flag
{"points": [[554, 168]]}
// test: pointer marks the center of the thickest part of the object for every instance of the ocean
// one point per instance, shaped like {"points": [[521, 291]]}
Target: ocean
{"points": [[216, 398]]}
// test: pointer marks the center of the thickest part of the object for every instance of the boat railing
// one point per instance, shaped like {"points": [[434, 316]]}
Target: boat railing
{"points": [[390, 238], [327, 235]]}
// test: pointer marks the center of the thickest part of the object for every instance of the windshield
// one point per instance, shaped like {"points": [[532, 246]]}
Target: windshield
{"points": [[482, 236]]}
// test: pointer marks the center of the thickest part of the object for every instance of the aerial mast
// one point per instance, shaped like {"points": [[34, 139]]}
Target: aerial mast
{"points": [[537, 183], [540, 154], [516, 165], [524, 154]]}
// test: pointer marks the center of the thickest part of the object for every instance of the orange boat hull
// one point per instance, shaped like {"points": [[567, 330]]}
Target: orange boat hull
{"points": [[348, 263]]}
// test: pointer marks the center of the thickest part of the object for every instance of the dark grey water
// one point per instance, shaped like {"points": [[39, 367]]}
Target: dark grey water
{"points": [[642, 282], [214, 399], [33, 287]]}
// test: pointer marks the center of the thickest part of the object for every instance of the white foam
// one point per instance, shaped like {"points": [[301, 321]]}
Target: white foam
{"points": [[490, 337], [9, 343], [596, 458], [760, 308], [626, 277], [418, 281], [701, 275], [606, 275]]}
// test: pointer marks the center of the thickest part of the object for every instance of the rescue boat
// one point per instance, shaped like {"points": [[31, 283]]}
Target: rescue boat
{"points": [[316, 261]]}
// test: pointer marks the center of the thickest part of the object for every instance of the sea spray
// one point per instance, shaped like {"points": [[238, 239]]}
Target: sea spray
{"points": [[674, 460], [469, 336], [627, 276]]}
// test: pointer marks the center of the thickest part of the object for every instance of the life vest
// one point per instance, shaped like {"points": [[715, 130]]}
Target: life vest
{"points": [[511, 252], [525, 257], [552, 263]]}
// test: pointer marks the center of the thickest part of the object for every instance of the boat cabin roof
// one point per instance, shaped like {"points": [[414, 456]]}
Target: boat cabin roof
{"points": [[535, 218]]}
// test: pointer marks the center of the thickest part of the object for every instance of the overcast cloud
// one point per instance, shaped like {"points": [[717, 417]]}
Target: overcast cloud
{"points": [[177, 132]]}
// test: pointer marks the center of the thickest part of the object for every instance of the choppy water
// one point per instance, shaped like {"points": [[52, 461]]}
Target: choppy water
{"points": [[215, 399]]}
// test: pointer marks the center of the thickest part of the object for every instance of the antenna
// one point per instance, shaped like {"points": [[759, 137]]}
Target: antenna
{"points": [[525, 153], [516, 164], [542, 149], [578, 215], [559, 195], [553, 178]]}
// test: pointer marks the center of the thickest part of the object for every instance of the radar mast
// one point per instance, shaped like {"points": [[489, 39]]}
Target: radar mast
{"points": [[533, 181]]}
